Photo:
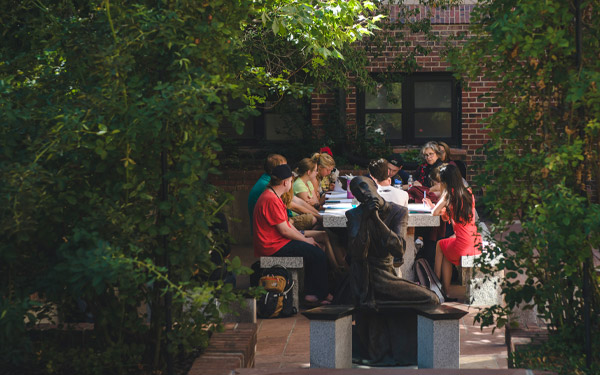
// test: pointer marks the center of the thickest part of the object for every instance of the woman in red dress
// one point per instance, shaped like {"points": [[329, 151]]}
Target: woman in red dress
{"points": [[457, 205]]}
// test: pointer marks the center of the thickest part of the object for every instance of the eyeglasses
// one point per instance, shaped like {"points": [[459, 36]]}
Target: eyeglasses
{"points": [[429, 154]]}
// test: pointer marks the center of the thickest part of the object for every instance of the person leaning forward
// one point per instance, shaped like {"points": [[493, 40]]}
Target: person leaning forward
{"points": [[274, 236], [296, 205]]}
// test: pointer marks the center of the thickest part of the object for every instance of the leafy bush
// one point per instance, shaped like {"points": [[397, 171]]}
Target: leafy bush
{"points": [[541, 167], [110, 114]]}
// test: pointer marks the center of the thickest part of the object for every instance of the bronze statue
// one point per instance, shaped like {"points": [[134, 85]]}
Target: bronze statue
{"points": [[376, 231]]}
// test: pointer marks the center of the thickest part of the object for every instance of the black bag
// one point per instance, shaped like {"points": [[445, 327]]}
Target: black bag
{"points": [[428, 278], [279, 300]]}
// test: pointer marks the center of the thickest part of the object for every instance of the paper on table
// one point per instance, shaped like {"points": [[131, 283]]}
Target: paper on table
{"points": [[339, 200], [344, 206], [418, 207], [336, 195], [332, 213], [338, 187]]}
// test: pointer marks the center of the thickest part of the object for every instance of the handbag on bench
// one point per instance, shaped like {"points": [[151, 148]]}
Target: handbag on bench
{"points": [[428, 278]]}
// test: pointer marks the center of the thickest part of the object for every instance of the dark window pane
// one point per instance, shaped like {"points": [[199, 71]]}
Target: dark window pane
{"points": [[388, 124], [385, 98], [283, 127], [229, 131], [433, 94], [433, 125]]}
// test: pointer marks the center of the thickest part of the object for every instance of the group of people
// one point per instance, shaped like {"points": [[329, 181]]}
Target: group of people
{"points": [[284, 209], [440, 182]]}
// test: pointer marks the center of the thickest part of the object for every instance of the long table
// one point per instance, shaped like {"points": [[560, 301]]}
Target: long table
{"points": [[334, 216]]}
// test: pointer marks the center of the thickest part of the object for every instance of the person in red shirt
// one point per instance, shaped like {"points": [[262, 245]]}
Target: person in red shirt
{"points": [[274, 236], [456, 205]]}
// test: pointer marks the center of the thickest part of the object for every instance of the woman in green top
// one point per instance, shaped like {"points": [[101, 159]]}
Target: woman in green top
{"points": [[303, 187]]}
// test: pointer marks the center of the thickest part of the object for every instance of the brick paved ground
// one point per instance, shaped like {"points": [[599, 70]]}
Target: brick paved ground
{"points": [[284, 343]]}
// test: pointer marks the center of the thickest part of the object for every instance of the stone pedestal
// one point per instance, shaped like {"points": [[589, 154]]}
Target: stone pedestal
{"points": [[438, 343], [330, 337]]}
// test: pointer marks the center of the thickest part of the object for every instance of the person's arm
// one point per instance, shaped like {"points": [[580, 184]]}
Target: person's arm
{"points": [[304, 196], [441, 204], [292, 233], [300, 206]]}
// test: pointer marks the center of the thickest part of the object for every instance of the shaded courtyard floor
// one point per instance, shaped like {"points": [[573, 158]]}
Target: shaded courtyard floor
{"points": [[285, 342]]}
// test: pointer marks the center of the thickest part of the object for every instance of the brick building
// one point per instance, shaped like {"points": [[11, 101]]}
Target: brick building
{"points": [[427, 104], [432, 104]]}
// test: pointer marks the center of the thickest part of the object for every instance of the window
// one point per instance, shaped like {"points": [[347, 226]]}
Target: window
{"points": [[414, 109], [278, 122]]}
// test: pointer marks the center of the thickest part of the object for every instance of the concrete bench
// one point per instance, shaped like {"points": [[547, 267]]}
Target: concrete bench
{"points": [[294, 265], [479, 289], [438, 335]]}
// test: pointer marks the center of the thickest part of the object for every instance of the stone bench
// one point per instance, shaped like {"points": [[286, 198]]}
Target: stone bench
{"points": [[438, 335], [294, 265], [479, 289]]}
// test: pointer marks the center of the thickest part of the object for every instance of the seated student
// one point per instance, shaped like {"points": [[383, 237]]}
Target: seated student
{"points": [[378, 170], [446, 157], [325, 165], [395, 165], [303, 186], [274, 236], [457, 205], [431, 154], [335, 255], [296, 205]]}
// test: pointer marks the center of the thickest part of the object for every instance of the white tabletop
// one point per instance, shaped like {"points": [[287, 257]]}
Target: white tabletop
{"points": [[334, 215]]}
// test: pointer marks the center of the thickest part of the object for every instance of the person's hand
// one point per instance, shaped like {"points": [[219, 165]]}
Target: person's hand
{"points": [[372, 205], [331, 186], [417, 183], [428, 202], [312, 241]]}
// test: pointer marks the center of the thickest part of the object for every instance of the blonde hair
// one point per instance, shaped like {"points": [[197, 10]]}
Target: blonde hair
{"points": [[323, 160]]}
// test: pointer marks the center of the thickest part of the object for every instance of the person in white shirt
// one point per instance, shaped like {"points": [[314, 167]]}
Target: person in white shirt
{"points": [[378, 170]]}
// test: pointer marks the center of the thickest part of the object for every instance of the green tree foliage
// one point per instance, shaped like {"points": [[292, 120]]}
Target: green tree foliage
{"points": [[110, 113], [395, 28], [542, 163]]}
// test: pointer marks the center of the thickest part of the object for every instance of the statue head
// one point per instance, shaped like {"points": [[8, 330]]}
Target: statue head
{"points": [[365, 191]]}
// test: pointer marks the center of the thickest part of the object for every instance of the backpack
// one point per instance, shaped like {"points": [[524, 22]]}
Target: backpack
{"points": [[428, 278], [279, 300]]}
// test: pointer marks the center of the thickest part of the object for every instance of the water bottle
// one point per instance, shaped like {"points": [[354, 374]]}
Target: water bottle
{"points": [[410, 181]]}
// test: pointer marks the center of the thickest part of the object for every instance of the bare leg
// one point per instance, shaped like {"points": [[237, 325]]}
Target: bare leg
{"points": [[323, 240], [439, 258], [338, 250], [446, 274]]}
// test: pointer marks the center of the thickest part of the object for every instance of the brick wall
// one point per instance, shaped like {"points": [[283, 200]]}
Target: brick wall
{"points": [[445, 23]]}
